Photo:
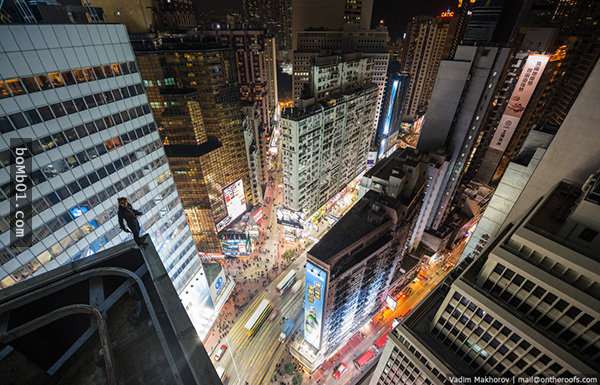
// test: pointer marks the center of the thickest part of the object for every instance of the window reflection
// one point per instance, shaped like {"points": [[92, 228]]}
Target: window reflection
{"points": [[56, 79], [44, 82], [15, 86]]}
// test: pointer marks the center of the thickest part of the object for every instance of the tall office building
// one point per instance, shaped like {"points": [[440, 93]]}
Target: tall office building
{"points": [[390, 118], [369, 44], [461, 98], [172, 63], [256, 66], [275, 16], [50, 12], [76, 92], [350, 269], [326, 137], [527, 307], [428, 43]]}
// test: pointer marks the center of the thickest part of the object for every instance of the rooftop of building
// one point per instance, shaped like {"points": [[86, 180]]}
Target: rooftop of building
{"points": [[113, 317], [354, 225], [192, 150], [312, 107], [393, 164], [555, 220]]}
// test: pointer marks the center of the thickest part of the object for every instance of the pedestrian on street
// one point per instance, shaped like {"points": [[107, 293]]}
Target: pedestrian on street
{"points": [[127, 214]]}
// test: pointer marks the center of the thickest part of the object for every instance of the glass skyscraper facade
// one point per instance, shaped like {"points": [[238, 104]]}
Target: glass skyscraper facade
{"points": [[75, 91]]}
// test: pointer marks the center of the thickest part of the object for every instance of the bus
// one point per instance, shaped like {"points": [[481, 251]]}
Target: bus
{"points": [[364, 358], [258, 317], [286, 282]]}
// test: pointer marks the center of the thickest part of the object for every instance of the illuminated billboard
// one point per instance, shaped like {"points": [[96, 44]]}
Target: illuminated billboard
{"points": [[236, 244], [289, 218], [314, 302], [235, 202], [528, 80]]}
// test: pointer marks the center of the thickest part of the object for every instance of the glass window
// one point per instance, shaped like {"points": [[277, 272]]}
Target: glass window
{"points": [[131, 90], [58, 110], [30, 84], [15, 86], [70, 107], [82, 158], [44, 82], [59, 139], [80, 104], [56, 79], [68, 77], [79, 75], [124, 68], [89, 74], [91, 128], [81, 131], [117, 94], [73, 187], [84, 182], [71, 161], [100, 99], [5, 124], [125, 92], [90, 101], [4, 91], [109, 97], [33, 117], [18, 120], [116, 69], [99, 73], [108, 71], [132, 67]]}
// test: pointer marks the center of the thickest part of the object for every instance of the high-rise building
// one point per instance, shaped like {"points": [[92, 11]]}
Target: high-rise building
{"points": [[390, 118], [334, 15], [275, 16], [148, 15], [326, 137], [482, 20], [369, 44], [428, 44], [461, 98], [75, 94], [196, 162], [178, 63], [110, 319], [50, 12], [527, 307], [256, 66], [350, 269]]}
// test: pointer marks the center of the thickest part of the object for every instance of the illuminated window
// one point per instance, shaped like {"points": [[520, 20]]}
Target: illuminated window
{"points": [[15, 86], [56, 79]]}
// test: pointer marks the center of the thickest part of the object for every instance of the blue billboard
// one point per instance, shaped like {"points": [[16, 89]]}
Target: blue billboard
{"points": [[314, 301]]}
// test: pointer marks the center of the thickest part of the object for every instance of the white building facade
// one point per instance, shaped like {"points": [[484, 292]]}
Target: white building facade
{"points": [[325, 146]]}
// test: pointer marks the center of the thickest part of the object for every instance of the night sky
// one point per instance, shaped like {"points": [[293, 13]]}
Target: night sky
{"points": [[396, 13]]}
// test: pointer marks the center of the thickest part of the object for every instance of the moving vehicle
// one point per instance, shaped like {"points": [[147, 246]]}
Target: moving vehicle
{"points": [[297, 286], [219, 351], [257, 318], [380, 342], [286, 329], [339, 370], [364, 358], [286, 282]]}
